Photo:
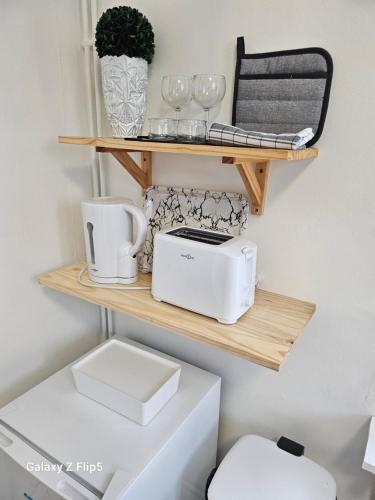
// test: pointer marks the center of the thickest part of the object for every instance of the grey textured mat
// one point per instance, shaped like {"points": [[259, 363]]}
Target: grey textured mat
{"points": [[282, 92]]}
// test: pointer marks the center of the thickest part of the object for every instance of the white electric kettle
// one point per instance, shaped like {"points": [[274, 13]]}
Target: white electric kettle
{"points": [[108, 228]]}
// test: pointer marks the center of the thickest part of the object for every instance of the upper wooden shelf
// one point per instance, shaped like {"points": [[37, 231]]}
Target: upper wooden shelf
{"points": [[254, 179], [264, 335], [248, 153]]}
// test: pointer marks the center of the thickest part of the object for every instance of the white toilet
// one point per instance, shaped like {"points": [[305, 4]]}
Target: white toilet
{"points": [[257, 468]]}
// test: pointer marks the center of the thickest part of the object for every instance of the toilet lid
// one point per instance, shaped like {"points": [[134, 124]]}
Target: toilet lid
{"points": [[256, 469]]}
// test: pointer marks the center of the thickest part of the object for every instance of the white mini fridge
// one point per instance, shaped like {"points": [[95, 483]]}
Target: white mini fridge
{"points": [[56, 443]]}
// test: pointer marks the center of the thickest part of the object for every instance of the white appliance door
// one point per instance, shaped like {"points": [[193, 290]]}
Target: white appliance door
{"points": [[17, 483], [26, 473]]}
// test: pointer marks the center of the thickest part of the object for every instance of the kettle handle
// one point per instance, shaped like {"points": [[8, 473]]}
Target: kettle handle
{"points": [[141, 228]]}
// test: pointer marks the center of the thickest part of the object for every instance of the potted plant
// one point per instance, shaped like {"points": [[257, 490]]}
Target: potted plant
{"points": [[125, 44]]}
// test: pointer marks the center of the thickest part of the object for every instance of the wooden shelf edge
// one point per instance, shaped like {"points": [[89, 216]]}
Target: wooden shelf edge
{"points": [[240, 153], [265, 335]]}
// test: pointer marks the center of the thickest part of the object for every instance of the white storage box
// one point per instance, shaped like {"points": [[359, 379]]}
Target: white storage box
{"points": [[128, 380]]}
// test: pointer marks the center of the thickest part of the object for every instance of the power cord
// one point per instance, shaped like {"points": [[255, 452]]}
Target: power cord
{"points": [[124, 288]]}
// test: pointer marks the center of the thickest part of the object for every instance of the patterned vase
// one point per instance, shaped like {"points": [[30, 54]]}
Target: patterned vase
{"points": [[124, 87]]}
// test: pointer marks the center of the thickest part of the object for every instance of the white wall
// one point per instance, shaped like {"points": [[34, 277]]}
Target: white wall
{"points": [[317, 236], [42, 96]]}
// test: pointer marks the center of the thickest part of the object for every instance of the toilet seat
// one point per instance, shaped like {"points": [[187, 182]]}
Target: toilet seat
{"points": [[257, 469]]}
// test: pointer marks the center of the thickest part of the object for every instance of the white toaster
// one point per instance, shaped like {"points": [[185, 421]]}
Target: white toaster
{"points": [[208, 272]]}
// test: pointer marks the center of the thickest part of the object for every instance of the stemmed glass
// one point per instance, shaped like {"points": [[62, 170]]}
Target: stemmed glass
{"points": [[208, 90], [176, 91]]}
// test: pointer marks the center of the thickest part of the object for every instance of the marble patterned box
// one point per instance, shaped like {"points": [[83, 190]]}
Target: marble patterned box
{"points": [[167, 207]]}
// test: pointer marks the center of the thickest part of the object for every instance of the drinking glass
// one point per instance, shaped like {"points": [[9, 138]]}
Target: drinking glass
{"points": [[176, 91], [191, 130], [162, 129], [208, 90]]}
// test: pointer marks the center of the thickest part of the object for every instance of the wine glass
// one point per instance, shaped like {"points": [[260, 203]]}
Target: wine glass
{"points": [[208, 90], [176, 91]]}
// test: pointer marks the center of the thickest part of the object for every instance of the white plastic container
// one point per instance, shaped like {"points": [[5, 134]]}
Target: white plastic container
{"points": [[259, 467], [128, 380]]}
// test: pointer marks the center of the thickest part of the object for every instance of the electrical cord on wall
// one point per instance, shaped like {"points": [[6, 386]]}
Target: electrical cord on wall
{"points": [[124, 288]]}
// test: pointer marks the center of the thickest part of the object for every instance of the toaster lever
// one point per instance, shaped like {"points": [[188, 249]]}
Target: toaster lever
{"points": [[247, 252]]}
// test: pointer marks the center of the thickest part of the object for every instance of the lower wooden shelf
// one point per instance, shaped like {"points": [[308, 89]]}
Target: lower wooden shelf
{"points": [[264, 335]]}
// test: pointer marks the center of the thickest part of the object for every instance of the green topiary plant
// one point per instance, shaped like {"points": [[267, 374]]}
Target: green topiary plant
{"points": [[124, 31]]}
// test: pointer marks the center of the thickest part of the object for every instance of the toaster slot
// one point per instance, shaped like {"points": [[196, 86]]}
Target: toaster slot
{"points": [[201, 236]]}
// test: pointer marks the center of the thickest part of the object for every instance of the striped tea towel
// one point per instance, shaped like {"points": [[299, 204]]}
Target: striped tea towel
{"points": [[228, 135]]}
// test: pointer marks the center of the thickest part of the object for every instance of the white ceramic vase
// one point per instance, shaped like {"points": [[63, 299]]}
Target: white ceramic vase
{"points": [[124, 87]]}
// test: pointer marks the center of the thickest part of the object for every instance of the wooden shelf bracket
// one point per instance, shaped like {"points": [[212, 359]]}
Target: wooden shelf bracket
{"points": [[141, 174], [253, 164], [254, 175]]}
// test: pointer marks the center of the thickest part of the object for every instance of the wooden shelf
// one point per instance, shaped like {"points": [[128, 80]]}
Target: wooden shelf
{"points": [[191, 149], [251, 163], [264, 335]]}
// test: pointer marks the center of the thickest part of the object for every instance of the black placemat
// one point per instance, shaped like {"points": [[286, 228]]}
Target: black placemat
{"points": [[145, 138]]}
